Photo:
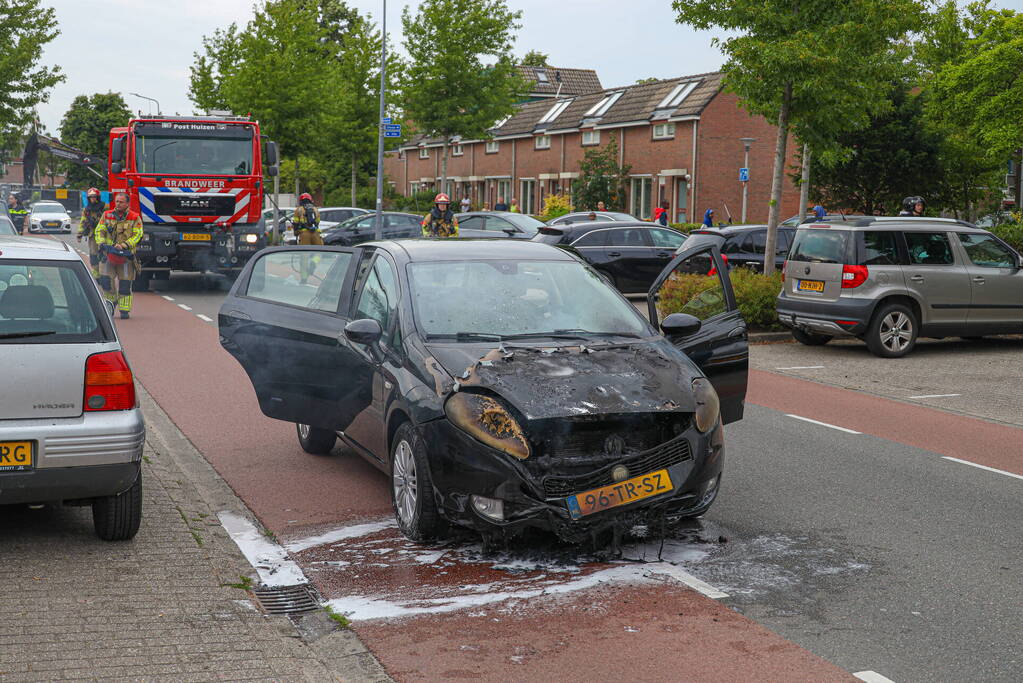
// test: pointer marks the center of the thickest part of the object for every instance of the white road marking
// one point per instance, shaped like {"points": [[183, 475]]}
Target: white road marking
{"points": [[872, 677], [685, 577], [822, 424], [983, 467], [187, 308], [168, 298], [936, 396], [269, 558], [802, 367], [200, 316]]}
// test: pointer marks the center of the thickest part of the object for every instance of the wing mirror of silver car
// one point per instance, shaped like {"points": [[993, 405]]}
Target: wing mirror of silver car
{"points": [[680, 324], [365, 331]]}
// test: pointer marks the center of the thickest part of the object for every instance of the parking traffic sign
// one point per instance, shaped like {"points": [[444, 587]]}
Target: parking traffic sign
{"points": [[743, 175]]}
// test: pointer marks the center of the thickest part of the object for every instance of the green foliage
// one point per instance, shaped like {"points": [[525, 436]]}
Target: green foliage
{"points": [[420, 202], [641, 81], [313, 175], [534, 58], [601, 178], [555, 205], [1012, 233], [25, 29], [86, 125], [755, 294], [685, 228]]}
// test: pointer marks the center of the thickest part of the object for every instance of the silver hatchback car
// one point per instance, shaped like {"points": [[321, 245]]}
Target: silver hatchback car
{"points": [[71, 430], [891, 280]]}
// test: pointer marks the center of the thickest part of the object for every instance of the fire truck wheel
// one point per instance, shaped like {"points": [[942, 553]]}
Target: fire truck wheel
{"points": [[142, 282]]}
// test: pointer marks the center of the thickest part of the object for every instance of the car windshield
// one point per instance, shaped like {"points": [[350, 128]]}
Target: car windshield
{"points": [[46, 304], [470, 300], [48, 207], [820, 245]]}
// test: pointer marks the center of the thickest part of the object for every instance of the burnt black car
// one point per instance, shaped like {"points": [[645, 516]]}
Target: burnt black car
{"points": [[499, 389], [630, 254], [359, 229]]}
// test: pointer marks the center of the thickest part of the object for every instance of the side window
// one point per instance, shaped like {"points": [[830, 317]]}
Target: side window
{"points": [[366, 223], [694, 287], [731, 245], [929, 248], [756, 242], [378, 299], [781, 247], [309, 279], [471, 223], [628, 237], [496, 224], [667, 239], [596, 238], [986, 251], [331, 216], [879, 249]]}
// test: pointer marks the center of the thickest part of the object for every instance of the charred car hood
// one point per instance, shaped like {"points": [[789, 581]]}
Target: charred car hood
{"points": [[572, 380]]}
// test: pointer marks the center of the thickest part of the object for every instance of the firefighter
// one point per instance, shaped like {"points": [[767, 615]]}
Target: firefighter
{"points": [[17, 212], [441, 221], [306, 221], [118, 233], [91, 214]]}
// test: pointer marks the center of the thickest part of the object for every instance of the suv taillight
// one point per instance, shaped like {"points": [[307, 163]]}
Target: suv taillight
{"points": [[853, 276], [108, 382], [784, 265]]}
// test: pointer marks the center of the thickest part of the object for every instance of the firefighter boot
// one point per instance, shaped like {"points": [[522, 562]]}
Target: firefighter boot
{"points": [[124, 297]]}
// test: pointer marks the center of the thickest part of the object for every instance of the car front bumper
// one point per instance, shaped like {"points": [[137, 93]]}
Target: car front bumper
{"points": [[833, 318], [462, 467]]}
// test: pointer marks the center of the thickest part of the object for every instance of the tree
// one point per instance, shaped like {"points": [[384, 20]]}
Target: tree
{"points": [[641, 81], [817, 76], [895, 156], [448, 89], [534, 58], [86, 125], [26, 28], [601, 179]]}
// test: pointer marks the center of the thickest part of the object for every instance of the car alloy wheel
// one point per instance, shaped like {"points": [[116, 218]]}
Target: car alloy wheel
{"points": [[303, 431], [896, 331], [412, 493], [892, 332], [406, 485], [315, 440]]}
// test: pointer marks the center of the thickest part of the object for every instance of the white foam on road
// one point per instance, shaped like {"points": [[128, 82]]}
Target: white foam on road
{"points": [[983, 467], [353, 531], [822, 424], [872, 677], [270, 559]]}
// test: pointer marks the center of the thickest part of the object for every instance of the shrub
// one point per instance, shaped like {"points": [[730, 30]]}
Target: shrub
{"points": [[555, 205], [1012, 233], [698, 295], [685, 228]]}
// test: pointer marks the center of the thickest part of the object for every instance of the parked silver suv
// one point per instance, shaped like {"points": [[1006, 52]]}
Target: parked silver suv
{"points": [[70, 427], [891, 280]]}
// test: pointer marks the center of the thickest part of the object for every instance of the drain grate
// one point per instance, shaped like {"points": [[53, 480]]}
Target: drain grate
{"points": [[287, 599]]}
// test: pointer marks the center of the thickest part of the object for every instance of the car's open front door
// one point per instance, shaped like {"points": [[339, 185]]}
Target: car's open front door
{"points": [[696, 282]]}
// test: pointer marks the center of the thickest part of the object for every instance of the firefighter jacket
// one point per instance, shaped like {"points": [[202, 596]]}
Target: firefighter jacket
{"points": [[117, 228], [91, 215], [306, 217], [438, 224]]}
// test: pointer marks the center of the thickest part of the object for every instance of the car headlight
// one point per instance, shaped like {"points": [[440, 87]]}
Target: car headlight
{"points": [[484, 418], [708, 406], [252, 238]]}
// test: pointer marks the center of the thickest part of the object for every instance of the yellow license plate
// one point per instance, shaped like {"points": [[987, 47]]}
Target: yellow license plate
{"points": [[811, 286], [622, 493], [15, 456], [195, 237]]}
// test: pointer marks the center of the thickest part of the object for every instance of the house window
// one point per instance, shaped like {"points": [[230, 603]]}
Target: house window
{"points": [[504, 191], [664, 131], [424, 153], [640, 197], [457, 151], [527, 202], [413, 188], [677, 95], [600, 108], [542, 142], [555, 111], [591, 137], [541, 76], [493, 146]]}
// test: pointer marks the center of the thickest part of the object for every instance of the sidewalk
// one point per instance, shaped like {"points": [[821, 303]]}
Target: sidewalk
{"points": [[73, 607]]}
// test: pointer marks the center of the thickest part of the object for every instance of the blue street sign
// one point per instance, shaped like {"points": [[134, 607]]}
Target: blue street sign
{"points": [[392, 133], [392, 127], [386, 119], [743, 175]]}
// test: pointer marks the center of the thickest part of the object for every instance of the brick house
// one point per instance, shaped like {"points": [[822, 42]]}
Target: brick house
{"points": [[681, 137]]}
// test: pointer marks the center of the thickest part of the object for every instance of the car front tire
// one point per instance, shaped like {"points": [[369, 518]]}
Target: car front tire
{"points": [[809, 338], [315, 440], [415, 507], [117, 518], [892, 332]]}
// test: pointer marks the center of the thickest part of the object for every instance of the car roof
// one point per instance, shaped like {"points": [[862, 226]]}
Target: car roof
{"points": [[474, 249], [899, 223], [346, 208], [35, 248], [589, 226]]}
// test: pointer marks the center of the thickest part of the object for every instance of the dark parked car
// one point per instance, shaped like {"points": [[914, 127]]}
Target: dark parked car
{"points": [[359, 229], [497, 224], [585, 217], [497, 393], [743, 245], [632, 254]]}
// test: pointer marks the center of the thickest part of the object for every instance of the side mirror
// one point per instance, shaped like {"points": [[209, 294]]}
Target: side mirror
{"points": [[116, 167], [681, 324], [117, 150], [364, 331], [271, 158]]}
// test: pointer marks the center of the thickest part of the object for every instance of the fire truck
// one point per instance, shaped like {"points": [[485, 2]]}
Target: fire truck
{"points": [[197, 182]]}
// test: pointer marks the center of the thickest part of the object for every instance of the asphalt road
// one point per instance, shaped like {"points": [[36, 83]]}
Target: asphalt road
{"points": [[866, 537]]}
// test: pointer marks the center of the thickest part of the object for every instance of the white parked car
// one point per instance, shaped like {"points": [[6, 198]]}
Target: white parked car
{"points": [[49, 217]]}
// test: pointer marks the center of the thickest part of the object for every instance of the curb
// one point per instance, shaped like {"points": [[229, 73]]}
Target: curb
{"points": [[339, 650], [769, 337]]}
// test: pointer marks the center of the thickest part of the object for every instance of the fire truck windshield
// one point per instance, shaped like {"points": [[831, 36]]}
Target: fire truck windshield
{"points": [[191, 155]]}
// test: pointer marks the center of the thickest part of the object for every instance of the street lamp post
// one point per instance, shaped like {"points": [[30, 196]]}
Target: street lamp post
{"points": [[746, 142], [379, 220], [148, 98]]}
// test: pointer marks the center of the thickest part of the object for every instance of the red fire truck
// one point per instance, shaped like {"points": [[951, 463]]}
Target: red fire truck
{"points": [[198, 184]]}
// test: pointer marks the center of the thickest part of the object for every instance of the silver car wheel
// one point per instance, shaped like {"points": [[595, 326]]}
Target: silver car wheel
{"points": [[304, 430], [896, 331], [406, 489]]}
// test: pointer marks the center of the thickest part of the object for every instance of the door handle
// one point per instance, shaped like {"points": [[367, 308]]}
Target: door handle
{"points": [[917, 278], [240, 315], [614, 253], [738, 332], [664, 254], [979, 280]]}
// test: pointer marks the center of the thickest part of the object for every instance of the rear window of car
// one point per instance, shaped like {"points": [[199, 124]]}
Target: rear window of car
{"points": [[42, 302], [549, 236], [47, 208], [929, 249], [879, 248], [820, 245]]}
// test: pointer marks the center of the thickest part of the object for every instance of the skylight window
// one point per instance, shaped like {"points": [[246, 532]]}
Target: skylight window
{"points": [[555, 111], [541, 76], [600, 108], [677, 95], [501, 122]]}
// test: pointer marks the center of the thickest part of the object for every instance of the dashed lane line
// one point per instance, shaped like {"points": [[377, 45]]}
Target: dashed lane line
{"points": [[822, 424], [168, 298], [803, 367], [200, 316], [983, 467], [936, 396], [184, 307], [685, 577], [872, 677]]}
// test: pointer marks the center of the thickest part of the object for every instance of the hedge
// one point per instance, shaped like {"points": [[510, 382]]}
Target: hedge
{"points": [[1012, 233], [756, 295]]}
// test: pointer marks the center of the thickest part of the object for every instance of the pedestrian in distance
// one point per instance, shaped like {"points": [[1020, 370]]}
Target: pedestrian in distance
{"points": [[117, 235], [661, 214], [17, 211], [592, 216], [601, 206], [514, 208], [913, 206], [819, 212], [466, 203], [441, 221], [708, 218], [500, 205], [92, 213]]}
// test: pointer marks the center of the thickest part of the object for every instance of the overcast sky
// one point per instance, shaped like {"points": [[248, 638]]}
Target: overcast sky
{"points": [[147, 46]]}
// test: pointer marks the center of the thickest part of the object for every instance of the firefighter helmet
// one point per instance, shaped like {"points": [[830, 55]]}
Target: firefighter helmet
{"points": [[304, 196], [441, 199], [92, 191]]}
